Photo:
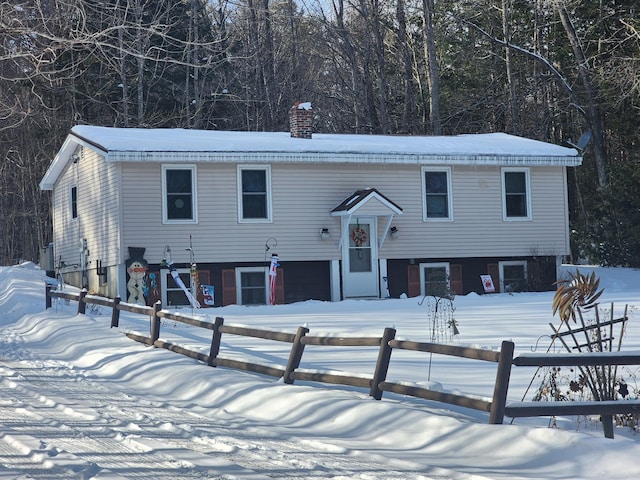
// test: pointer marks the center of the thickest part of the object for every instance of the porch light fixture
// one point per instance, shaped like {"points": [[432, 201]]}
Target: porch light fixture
{"points": [[166, 253], [324, 234], [394, 232]]}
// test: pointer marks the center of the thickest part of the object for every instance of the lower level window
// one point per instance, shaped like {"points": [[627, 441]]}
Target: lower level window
{"points": [[251, 285], [434, 279], [172, 293], [513, 276]]}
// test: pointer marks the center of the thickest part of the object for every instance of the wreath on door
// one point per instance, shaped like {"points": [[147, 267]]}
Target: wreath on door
{"points": [[359, 236]]}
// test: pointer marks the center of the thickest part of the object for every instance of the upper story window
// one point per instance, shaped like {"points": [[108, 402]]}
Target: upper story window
{"points": [[179, 194], [436, 193], [516, 194], [254, 193], [73, 196]]}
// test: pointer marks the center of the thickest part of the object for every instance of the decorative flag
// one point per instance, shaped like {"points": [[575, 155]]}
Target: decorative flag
{"points": [[207, 294], [487, 284], [273, 273]]}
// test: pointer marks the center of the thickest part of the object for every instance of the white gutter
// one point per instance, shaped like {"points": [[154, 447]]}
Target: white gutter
{"points": [[340, 157]]}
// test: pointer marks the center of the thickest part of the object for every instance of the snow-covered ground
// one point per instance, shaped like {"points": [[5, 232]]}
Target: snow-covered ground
{"points": [[80, 400]]}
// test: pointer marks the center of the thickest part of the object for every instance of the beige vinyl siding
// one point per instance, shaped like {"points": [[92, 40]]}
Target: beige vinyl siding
{"points": [[102, 227], [217, 229], [98, 207], [65, 229], [303, 196], [478, 228]]}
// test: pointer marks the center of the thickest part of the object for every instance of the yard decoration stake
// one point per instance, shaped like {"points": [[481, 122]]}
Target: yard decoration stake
{"points": [[573, 296], [193, 271], [578, 292], [273, 273]]}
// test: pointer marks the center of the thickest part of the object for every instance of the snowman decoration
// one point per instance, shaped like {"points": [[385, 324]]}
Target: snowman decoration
{"points": [[137, 271]]}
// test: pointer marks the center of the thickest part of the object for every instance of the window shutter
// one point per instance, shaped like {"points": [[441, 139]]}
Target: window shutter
{"points": [[494, 270], [280, 287], [228, 287], [455, 278], [413, 277]]}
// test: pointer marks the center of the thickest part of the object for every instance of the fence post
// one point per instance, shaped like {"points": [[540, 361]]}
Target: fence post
{"points": [[82, 306], [382, 365], [155, 322], [47, 293], [215, 341], [115, 313], [502, 383], [607, 425], [295, 356]]}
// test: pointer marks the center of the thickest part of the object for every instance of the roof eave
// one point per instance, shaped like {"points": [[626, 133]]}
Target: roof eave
{"points": [[58, 164], [62, 158], [361, 198], [341, 157]]}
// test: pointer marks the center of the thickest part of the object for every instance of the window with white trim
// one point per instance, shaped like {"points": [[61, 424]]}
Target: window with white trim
{"points": [[172, 293], [179, 194], [73, 201], [513, 276], [436, 193], [254, 193], [251, 285], [434, 279], [516, 194]]}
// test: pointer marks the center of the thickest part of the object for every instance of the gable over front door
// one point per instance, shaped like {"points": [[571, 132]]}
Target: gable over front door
{"points": [[360, 258], [359, 240]]}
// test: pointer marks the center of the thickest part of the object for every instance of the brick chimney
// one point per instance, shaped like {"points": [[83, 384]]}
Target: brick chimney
{"points": [[301, 120]]}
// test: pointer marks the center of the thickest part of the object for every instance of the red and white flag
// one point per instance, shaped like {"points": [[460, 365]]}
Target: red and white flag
{"points": [[273, 273]]}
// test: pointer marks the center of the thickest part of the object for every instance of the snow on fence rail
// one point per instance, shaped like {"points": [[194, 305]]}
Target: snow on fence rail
{"points": [[498, 408]]}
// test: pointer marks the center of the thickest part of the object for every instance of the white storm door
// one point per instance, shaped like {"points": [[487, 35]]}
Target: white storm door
{"points": [[360, 258]]}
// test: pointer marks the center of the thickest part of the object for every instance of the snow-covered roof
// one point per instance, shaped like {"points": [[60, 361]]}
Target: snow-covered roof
{"points": [[181, 145]]}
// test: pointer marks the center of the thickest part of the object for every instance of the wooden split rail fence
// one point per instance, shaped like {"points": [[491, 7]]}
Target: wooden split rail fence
{"points": [[497, 408]]}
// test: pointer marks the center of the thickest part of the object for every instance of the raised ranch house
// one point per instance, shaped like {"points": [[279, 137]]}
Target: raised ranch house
{"points": [[350, 216]]}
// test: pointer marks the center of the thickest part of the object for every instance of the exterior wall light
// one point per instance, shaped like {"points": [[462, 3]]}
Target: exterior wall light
{"points": [[394, 232], [324, 234]]}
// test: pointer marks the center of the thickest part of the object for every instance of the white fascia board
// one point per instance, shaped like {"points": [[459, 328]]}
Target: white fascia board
{"points": [[62, 159], [58, 164], [344, 158], [361, 203]]}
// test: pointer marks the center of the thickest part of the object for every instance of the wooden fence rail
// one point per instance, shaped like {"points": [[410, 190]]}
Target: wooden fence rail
{"points": [[605, 408], [377, 382]]}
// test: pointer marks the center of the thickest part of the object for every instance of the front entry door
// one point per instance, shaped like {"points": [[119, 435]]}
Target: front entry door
{"points": [[360, 258]]}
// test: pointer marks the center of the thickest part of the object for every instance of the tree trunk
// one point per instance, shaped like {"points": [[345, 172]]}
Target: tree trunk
{"points": [[513, 122], [591, 94], [373, 48], [124, 83], [254, 55], [433, 76], [268, 64], [409, 111], [347, 49], [140, 46], [382, 67]]}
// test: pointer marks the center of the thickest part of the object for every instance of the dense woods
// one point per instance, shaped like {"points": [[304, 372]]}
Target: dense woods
{"points": [[545, 69]]}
